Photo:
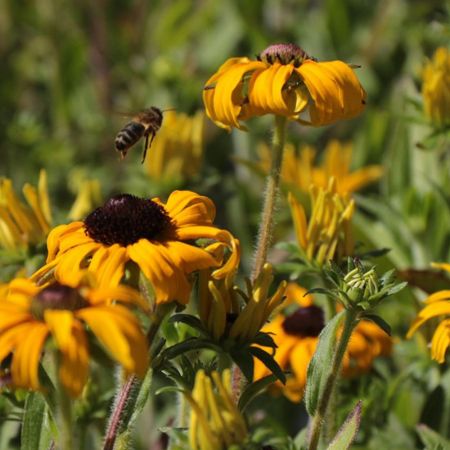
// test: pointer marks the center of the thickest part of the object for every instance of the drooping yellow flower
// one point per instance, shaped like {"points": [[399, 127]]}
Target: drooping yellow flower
{"points": [[299, 171], [177, 149], [216, 423], [327, 234], [147, 232], [283, 81], [296, 331], [24, 224], [222, 313], [436, 87], [437, 305], [64, 311]]}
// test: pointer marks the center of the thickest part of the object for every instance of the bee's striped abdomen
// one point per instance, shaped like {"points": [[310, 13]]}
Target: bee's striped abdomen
{"points": [[129, 135]]}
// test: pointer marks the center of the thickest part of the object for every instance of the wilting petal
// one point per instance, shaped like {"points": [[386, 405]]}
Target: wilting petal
{"points": [[118, 330], [334, 89], [72, 343]]}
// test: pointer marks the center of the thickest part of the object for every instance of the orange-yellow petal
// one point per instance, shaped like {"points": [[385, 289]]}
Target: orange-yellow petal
{"points": [[441, 341]]}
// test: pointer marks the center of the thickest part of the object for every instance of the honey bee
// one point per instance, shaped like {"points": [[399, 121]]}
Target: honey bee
{"points": [[144, 124]]}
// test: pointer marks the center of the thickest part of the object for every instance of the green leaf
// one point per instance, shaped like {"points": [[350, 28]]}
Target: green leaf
{"points": [[269, 362], [320, 365], [244, 361], [397, 288], [252, 390], [264, 339], [348, 430], [319, 290], [189, 320], [35, 430], [377, 320], [431, 439]]}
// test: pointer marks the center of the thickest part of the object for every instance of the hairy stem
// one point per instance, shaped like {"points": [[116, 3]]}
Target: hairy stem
{"points": [[318, 419], [270, 197]]}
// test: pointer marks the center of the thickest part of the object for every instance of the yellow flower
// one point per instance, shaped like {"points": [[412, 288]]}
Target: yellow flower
{"points": [[23, 224], [436, 87], [177, 150], [147, 232], [88, 196], [221, 310], [64, 311], [299, 171], [327, 234], [284, 81], [216, 423], [295, 333], [437, 304]]}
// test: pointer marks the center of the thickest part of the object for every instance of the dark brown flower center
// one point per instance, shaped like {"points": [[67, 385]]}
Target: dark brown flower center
{"points": [[284, 54], [124, 219], [56, 296], [305, 322]]}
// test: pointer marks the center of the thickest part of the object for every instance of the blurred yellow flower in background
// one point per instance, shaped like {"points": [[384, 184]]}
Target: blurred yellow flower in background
{"points": [[216, 423], [328, 231], [436, 305], [299, 171], [177, 150], [69, 312], [436, 87], [284, 81], [24, 224], [295, 331], [148, 232]]}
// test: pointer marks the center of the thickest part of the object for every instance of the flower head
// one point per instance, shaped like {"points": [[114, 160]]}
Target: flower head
{"points": [[216, 423], [327, 234], [437, 305], [64, 311], [146, 232], [177, 149], [295, 332], [223, 314], [300, 172], [23, 224], [436, 87], [285, 81]]}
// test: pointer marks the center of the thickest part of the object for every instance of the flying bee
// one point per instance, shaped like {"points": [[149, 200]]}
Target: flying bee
{"points": [[144, 124]]}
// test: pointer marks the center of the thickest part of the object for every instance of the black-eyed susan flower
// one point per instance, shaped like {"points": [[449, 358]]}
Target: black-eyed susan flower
{"points": [[327, 234], [436, 305], [284, 81], [158, 237], [295, 331], [436, 87], [299, 171], [23, 224], [177, 149], [63, 312], [228, 312], [216, 423]]}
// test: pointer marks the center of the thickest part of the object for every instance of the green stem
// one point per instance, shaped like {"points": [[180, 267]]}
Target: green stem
{"points": [[350, 322], [270, 197], [65, 419]]}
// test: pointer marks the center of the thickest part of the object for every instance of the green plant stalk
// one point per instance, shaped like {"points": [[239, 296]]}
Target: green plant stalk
{"points": [[66, 427], [270, 197], [350, 322], [132, 391]]}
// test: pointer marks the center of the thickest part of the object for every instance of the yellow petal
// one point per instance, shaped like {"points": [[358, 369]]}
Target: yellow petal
{"points": [[59, 232], [108, 263], [441, 341], [119, 331], [72, 343]]}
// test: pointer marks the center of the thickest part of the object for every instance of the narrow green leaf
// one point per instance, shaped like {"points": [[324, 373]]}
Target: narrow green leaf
{"points": [[265, 340], [377, 320], [252, 390], [320, 365], [244, 361], [269, 362], [431, 439], [397, 288], [348, 430], [192, 321], [35, 430], [319, 290]]}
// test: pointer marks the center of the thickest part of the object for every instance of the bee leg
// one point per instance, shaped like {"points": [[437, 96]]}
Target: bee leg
{"points": [[144, 153]]}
